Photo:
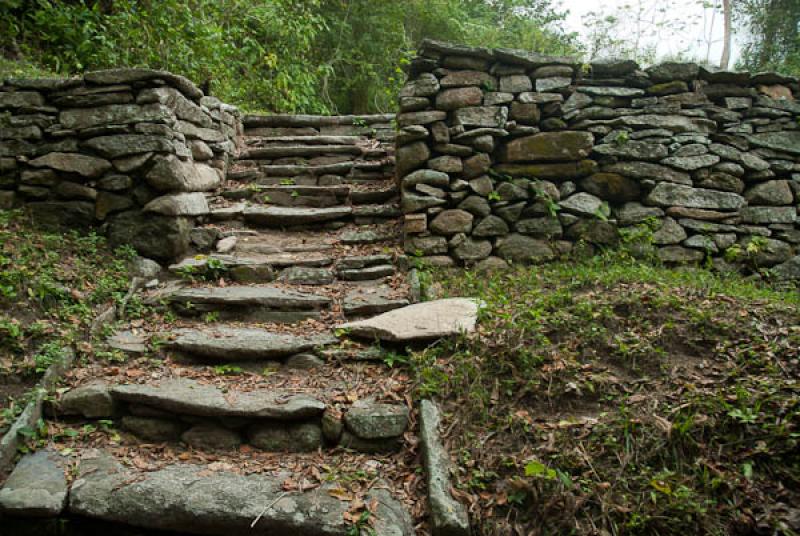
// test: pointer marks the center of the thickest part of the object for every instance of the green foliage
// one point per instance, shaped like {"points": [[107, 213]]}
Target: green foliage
{"points": [[51, 287], [315, 56], [772, 38]]}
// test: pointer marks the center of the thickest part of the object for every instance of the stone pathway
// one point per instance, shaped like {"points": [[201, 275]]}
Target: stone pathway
{"points": [[253, 408]]}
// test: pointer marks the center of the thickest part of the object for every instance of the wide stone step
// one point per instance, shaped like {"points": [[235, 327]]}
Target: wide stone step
{"points": [[362, 170], [229, 343], [256, 303], [294, 216], [282, 151], [311, 195], [250, 266], [295, 120], [307, 140], [192, 500], [300, 196], [189, 397]]}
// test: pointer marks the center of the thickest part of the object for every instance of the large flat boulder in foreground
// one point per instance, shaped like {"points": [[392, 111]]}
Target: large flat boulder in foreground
{"points": [[421, 321], [192, 500]]}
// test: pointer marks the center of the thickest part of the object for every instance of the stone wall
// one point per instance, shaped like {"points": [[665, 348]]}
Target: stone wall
{"points": [[128, 150], [507, 154]]}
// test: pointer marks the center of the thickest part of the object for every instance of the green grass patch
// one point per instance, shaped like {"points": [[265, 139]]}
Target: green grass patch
{"points": [[52, 285], [620, 397]]}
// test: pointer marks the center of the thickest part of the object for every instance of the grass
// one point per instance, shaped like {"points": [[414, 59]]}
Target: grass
{"points": [[52, 285], [23, 69], [615, 396]]}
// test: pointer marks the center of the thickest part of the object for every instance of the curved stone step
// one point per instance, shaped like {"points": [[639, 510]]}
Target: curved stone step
{"points": [[192, 500], [228, 343], [294, 216], [257, 303], [189, 397]]}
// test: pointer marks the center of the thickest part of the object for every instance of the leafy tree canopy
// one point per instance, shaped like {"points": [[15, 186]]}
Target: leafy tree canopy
{"points": [[278, 55]]}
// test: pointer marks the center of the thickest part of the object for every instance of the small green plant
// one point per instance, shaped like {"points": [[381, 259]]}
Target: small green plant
{"points": [[48, 354], [393, 358], [361, 526], [211, 317], [621, 138], [228, 370], [287, 182], [494, 195]]}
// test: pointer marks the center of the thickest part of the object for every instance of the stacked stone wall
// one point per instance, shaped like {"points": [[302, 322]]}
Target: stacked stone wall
{"points": [[131, 151], [507, 155]]}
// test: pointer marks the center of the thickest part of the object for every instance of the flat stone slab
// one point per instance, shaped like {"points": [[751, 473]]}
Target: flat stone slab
{"points": [[192, 500], [189, 397], [370, 301], [421, 321], [265, 296], [289, 216], [36, 488], [128, 342], [448, 516], [366, 236], [227, 343]]}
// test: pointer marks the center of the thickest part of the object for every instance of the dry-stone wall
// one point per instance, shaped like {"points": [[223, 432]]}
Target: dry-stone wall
{"points": [[511, 155], [131, 150]]}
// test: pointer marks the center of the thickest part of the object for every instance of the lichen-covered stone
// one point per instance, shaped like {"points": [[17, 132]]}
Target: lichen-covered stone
{"points": [[549, 146]]}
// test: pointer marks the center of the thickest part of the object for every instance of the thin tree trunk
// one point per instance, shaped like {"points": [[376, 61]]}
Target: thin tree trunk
{"points": [[726, 46]]}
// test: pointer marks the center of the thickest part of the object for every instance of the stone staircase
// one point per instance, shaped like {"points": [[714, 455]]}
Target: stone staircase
{"points": [[248, 409]]}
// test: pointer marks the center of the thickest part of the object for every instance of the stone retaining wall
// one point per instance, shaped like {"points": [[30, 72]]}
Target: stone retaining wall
{"points": [[506, 154], [131, 150]]}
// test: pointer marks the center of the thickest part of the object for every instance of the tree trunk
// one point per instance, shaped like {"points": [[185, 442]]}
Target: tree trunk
{"points": [[726, 46]]}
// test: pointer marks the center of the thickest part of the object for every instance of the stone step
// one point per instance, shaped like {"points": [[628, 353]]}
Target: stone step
{"points": [[294, 120], [229, 343], [189, 397], [367, 301], [367, 236], [307, 140], [364, 169], [223, 415], [261, 303], [373, 195], [190, 499], [292, 195], [251, 267], [367, 273], [283, 151], [312, 195], [294, 216], [374, 213]]}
